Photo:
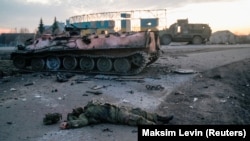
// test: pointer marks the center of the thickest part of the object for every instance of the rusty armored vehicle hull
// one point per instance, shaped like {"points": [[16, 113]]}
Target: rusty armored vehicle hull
{"points": [[120, 54]]}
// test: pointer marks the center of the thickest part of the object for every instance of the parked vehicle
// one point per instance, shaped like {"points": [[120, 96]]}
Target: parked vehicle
{"points": [[182, 31]]}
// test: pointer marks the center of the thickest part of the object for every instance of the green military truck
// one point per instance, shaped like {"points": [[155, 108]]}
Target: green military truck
{"points": [[182, 31]]}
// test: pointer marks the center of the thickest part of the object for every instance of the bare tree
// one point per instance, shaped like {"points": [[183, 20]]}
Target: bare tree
{"points": [[24, 30]]}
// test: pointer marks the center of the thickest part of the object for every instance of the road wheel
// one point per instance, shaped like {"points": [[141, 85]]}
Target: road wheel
{"points": [[69, 63], [122, 65], [197, 40], [104, 64], [19, 62], [137, 59], [37, 64], [166, 39], [87, 63], [53, 63]]}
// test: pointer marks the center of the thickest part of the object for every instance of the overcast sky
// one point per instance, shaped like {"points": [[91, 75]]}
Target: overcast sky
{"points": [[219, 14]]}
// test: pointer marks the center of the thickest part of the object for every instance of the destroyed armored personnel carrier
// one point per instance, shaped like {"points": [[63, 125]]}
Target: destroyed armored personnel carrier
{"points": [[120, 54]]}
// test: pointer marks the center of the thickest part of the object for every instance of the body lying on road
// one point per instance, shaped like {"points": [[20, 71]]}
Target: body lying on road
{"points": [[95, 112]]}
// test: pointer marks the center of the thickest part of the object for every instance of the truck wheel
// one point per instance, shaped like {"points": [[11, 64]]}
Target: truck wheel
{"points": [[197, 40], [165, 40]]}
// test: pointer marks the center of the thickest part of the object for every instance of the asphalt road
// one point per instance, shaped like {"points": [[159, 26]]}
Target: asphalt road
{"points": [[23, 107]]}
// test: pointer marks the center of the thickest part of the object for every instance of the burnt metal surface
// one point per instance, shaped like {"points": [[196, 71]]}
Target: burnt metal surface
{"points": [[123, 54]]}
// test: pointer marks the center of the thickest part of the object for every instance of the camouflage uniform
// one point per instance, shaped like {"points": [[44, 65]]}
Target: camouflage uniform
{"points": [[94, 113]]}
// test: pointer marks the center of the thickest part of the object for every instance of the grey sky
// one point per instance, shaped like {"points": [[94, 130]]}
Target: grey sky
{"points": [[27, 13]]}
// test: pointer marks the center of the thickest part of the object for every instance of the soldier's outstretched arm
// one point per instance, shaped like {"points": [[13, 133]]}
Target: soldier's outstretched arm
{"points": [[80, 122]]}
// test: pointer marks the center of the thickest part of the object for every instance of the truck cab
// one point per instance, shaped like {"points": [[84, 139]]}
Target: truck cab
{"points": [[182, 31]]}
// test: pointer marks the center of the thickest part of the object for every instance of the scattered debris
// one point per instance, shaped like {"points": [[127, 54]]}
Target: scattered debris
{"points": [[24, 99], [165, 107], [195, 99], [125, 101], [28, 84], [223, 100], [179, 93], [131, 92], [69, 75], [47, 74], [38, 96], [12, 89], [167, 70], [61, 78], [94, 92], [106, 130], [137, 79], [217, 76], [184, 71], [9, 122], [96, 87], [154, 87], [82, 79], [55, 90]]}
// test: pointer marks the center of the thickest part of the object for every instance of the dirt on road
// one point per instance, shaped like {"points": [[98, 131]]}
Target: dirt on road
{"points": [[217, 96]]}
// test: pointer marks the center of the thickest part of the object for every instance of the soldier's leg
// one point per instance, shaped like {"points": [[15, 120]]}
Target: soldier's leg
{"points": [[128, 118], [151, 116], [147, 115]]}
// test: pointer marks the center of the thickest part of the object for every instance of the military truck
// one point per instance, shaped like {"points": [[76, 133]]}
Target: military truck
{"points": [[182, 31]]}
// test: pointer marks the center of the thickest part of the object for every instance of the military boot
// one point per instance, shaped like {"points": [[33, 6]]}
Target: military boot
{"points": [[52, 118], [165, 119]]}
